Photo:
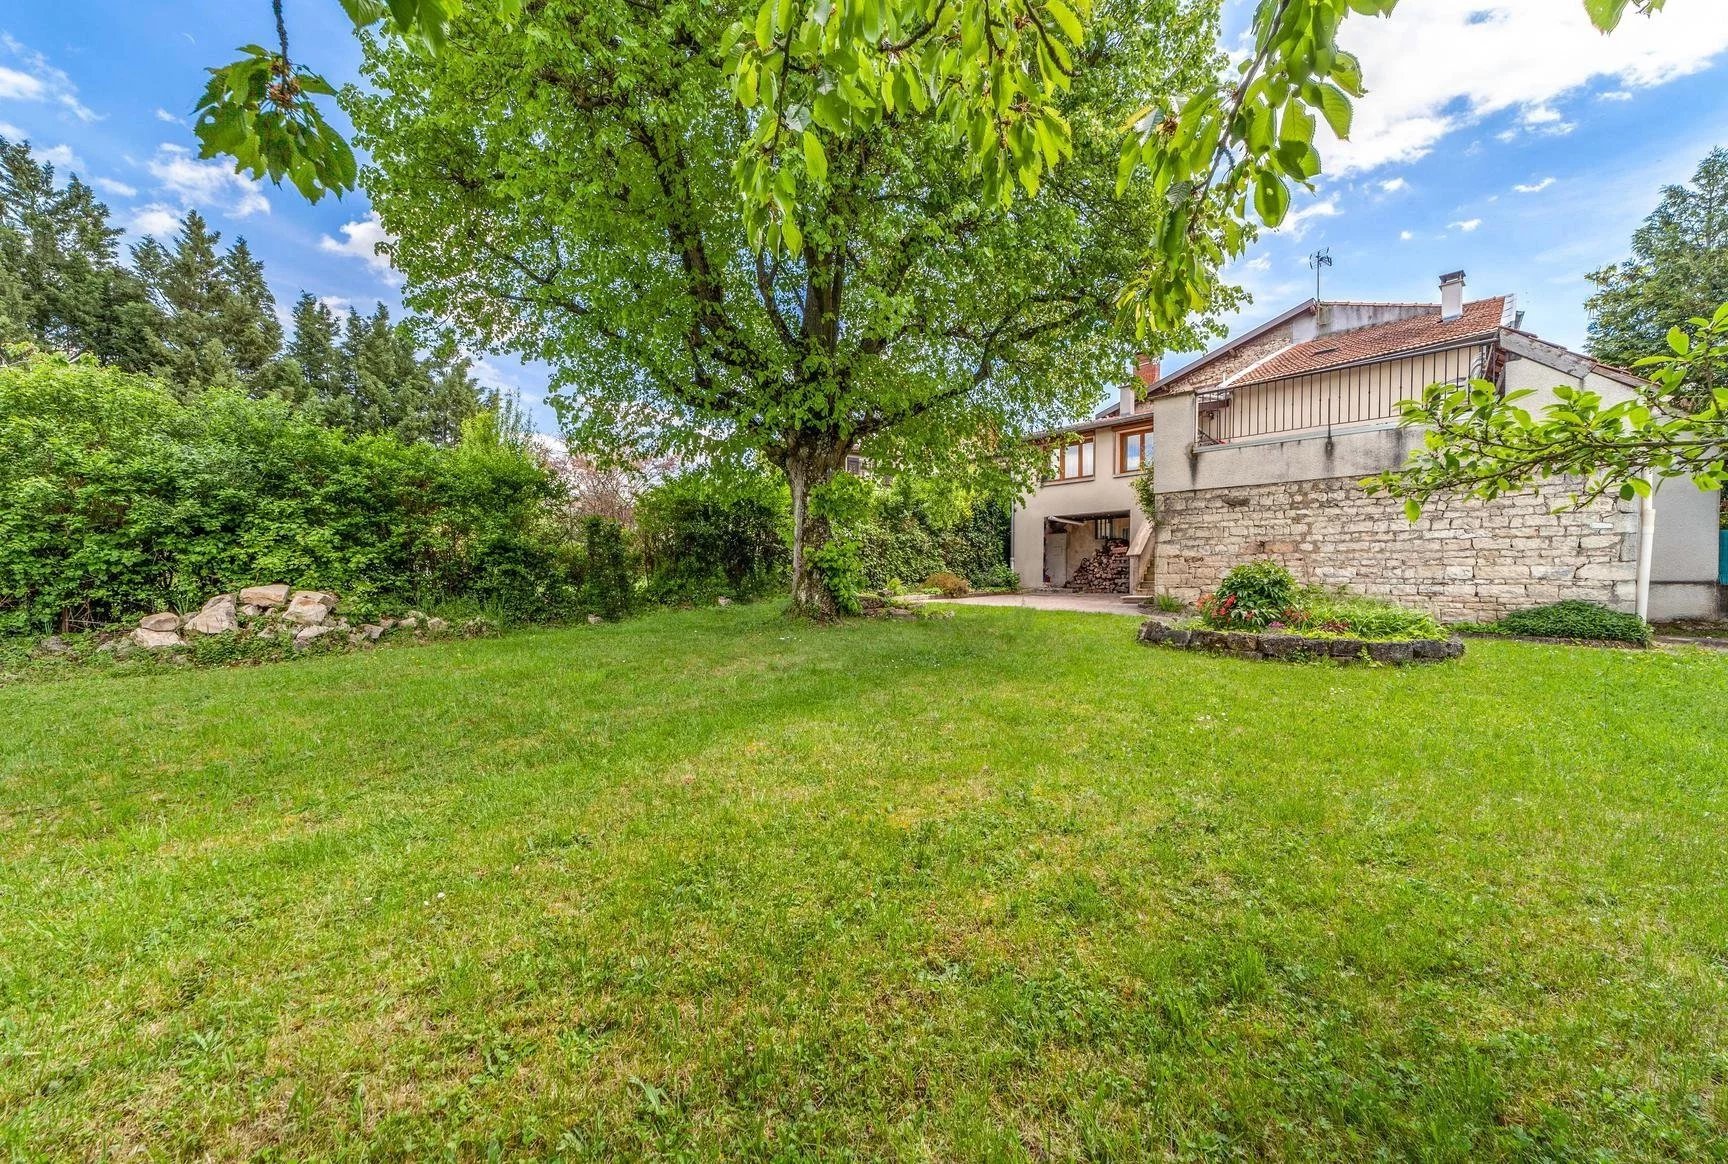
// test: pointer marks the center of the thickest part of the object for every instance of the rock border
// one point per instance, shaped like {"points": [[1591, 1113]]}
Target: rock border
{"points": [[1299, 648]]}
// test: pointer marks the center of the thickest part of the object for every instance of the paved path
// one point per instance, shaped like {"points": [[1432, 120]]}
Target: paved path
{"points": [[1086, 603]]}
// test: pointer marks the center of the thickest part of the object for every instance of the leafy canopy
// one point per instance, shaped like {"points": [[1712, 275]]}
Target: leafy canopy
{"points": [[988, 72]]}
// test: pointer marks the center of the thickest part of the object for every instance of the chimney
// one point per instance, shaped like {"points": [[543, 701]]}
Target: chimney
{"points": [[1145, 375], [1452, 295]]}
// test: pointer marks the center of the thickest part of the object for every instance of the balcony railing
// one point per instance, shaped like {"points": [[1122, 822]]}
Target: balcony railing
{"points": [[1357, 394]]}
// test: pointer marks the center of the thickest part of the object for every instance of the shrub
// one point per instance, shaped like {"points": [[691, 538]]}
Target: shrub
{"points": [[715, 530], [1575, 619], [1251, 595], [1360, 617], [999, 577], [947, 584], [1169, 603], [608, 576], [117, 498]]}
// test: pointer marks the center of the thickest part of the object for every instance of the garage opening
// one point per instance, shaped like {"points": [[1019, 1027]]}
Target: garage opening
{"points": [[1087, 553]]}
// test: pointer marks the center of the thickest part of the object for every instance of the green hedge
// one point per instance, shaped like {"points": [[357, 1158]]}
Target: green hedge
{"points": [[1575, 619], [116, 498]]}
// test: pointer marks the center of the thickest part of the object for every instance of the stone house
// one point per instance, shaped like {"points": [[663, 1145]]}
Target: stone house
{"points": [[1258, 447]]}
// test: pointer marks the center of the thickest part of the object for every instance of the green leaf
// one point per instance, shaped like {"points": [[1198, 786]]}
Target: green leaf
{"points": [[1066, 20], [1335, 106], [815, 161], [1412, 509]]}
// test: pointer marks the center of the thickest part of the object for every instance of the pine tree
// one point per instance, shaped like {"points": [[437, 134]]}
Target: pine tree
{"points": [[313, 351], [249, 327], [187, 286], [64, 287], [1678, 270]]}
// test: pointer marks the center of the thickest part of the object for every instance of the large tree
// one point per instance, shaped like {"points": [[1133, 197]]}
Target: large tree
{"points": [[565, 191], [62, 285], [1678, 271]]}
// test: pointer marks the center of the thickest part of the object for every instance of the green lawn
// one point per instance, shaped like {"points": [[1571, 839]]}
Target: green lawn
{"points": [[1007, 887]]}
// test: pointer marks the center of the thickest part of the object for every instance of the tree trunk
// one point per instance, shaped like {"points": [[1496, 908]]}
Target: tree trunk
{"points": [[806, 471]]}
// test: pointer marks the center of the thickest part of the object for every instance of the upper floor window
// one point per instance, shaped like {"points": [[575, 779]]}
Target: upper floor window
{"points": [[855, 465], [1133, 450], [1071, 461]]}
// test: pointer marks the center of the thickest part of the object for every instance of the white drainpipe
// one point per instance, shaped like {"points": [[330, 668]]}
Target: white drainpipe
{"points": [[1646, 548]]}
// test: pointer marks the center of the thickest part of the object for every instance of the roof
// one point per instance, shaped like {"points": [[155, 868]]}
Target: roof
{"points": [[1480, 320], [1176, 377]]}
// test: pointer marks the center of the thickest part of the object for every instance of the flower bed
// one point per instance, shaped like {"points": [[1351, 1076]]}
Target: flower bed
{"points": [[1299, 647]]}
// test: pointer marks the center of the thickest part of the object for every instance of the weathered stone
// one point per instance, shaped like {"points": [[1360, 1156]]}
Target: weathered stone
{"points": [[1153, 631], [593, 620], [1209, 640], [155, 640], [166, 622], [1391, 653], [310, 634], [275, 594], [367, 634], [53, 645], [309, 607], [1276, 646], [722, 601], [436, 626], [1463, 560], [218, 617]]}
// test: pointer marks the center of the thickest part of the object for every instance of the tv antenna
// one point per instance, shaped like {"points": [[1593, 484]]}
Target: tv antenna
{"points": [[1319, 261]]}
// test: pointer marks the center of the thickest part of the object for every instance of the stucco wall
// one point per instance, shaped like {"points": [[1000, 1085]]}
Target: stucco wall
{"points": [[1462, 560], [1104, 493]]}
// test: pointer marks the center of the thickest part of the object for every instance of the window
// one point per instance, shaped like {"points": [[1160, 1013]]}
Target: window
{"points": [[1133, 450], [855, 465], [1071, 462]]}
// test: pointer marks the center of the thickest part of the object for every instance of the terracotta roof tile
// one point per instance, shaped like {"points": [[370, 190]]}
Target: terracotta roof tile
{"points": [[1480, 318]]}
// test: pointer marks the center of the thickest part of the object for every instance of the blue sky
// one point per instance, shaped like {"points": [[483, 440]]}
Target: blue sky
{"points": [[1504, 137]]}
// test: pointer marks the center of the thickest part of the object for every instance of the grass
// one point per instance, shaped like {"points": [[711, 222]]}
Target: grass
{"points": [[1002, 887]]}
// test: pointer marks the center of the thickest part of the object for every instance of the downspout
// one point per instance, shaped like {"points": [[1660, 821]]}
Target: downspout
{"points": [[1646, 547]]}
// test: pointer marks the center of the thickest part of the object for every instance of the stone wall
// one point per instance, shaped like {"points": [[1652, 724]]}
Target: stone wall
{"points": [[1462, 560]]}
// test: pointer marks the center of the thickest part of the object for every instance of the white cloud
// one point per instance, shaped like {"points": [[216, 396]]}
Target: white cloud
{"points": [[211, 184], [1263, 263], [1533, 187], [60, 156], [361, 242], [1436, 66], [16, 86], [8, 130], [1406, 235], [1468, 225], [37, 80], [1614, 95], [336, 304], [163, 115], [156, 220], [1393, 185], [117, 189], [1298, 222]]}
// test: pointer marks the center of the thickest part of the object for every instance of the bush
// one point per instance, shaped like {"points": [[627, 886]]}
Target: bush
{"points": [[949, 585], [715, 530], [1575, 619], [1169, 603], [1251, 595], [117, 498], [608, 575], [1356, 616], [999, 577]]}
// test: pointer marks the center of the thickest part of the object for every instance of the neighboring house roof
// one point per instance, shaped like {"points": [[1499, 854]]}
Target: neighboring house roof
{"points": [[1170, 382], [1523, 343], [1480, 320]]}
